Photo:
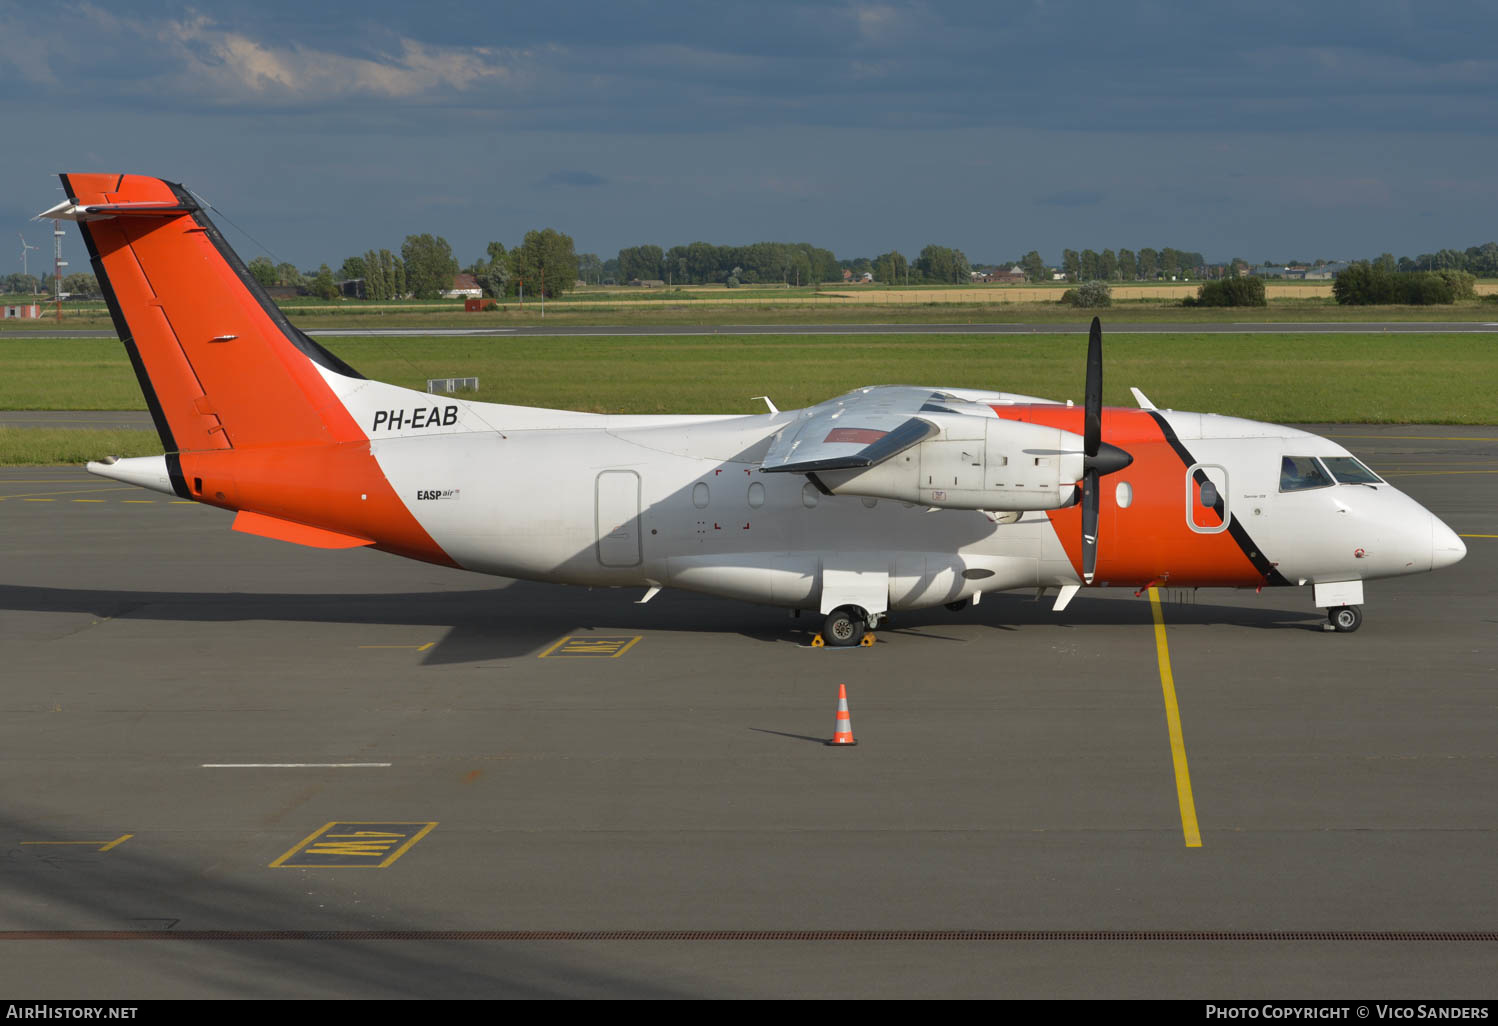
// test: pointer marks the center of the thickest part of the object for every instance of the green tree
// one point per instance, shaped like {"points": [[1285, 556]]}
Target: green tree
{"points": [[1128, 267], [642, 262], [429, 266], [322, 285], [942, 264], [547, 259], [1107, 265], [1149, 264], [1089, 265], [80, 284], [263, 271], [1230, 291], [1071, 263], [287, 274], [890, 268], [353, 268], [1034, 267]]}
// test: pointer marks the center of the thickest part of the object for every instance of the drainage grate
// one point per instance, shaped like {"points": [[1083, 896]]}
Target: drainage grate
{"points": [[960, 936]]}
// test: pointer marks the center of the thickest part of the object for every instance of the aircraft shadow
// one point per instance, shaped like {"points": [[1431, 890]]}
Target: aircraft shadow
{"points": [[140, 887], [522, 618]]}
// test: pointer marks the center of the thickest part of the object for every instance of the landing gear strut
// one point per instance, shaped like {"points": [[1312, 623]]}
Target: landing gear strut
{"points": [[1345, 619]]}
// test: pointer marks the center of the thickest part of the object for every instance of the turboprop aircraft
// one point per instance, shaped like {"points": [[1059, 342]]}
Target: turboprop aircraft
{"points": [[887, 498]]}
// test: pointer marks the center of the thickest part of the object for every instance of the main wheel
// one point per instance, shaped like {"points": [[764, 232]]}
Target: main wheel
{"points": [[844, 626], [1345, 619]]}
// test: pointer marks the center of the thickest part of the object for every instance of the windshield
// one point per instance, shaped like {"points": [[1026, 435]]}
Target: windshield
{"points": [[1299, 472], [1349, 471]]}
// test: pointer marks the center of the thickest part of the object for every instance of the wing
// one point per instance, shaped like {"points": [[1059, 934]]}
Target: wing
{"points": [[862, 428]]}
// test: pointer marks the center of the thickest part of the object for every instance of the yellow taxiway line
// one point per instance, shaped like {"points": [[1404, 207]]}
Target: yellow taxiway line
{"points": [[1173, 721]]}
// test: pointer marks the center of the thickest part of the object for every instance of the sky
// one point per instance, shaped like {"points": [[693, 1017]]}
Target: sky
{"points": [[319, 130]]}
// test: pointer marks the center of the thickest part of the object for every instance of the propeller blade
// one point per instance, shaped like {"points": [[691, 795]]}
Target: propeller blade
{"points": [[1093, 433], [1089, 523]]}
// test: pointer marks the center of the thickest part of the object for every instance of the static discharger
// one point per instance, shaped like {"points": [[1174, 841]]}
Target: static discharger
{"points": [[843, 731]]}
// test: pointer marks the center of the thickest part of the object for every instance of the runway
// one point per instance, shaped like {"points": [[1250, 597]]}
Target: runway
{"points": [[1079, 327], [218, 737]]}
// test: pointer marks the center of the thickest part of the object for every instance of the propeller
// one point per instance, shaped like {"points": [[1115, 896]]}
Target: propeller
{"points": [[1098, 457]]}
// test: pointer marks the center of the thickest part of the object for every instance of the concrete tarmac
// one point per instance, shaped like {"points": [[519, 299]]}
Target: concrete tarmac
{"points": [[185, 707]]}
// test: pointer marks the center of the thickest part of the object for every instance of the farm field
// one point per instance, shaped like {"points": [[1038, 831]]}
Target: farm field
{"points": [[707, 305], [1286, 378]]}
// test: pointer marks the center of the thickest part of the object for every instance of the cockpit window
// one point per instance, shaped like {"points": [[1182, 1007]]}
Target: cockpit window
{"points": [[1349, 471], [1300, 472]]}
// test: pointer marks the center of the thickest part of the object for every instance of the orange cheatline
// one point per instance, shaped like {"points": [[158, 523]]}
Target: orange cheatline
{"points": [[843, 732]]}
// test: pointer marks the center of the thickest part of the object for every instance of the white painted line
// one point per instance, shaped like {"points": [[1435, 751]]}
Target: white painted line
{"points": [[294, 765]]}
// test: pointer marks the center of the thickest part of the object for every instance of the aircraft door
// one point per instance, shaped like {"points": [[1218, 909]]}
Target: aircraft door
{"points": [[1207, 498], [618, 493]]}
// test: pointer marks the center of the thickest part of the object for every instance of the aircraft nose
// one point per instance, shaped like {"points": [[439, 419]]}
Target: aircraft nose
{"points": [[1445, 547]]}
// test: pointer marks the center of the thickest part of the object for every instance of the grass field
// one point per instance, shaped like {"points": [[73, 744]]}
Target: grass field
{"points": [[1279, 378], [37, 447]]}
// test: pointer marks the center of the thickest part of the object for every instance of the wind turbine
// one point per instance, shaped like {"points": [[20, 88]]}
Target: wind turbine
{"points": [[24, 247]]}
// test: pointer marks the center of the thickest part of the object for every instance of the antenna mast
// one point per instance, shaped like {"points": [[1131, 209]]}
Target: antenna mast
{"points": [[60, 263]]}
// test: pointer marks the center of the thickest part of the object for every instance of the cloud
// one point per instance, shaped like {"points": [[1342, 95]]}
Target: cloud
{"points": [[580, 179], [1072, 198]]}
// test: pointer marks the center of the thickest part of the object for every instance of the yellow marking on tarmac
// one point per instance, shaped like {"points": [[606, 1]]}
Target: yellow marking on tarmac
{"points": [[38, 500], [88, 500], [584, 647], [106, 844], [70, 491], [1173, 721], [342, 845], [182, 502], [419, 648], [1479, 536], [138, 500]]}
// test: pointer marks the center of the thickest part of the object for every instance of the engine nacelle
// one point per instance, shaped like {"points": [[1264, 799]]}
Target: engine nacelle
{"points": [[975, 463]]}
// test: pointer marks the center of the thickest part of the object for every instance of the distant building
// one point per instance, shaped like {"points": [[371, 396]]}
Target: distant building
{"points": [[1002, 276], [465, 286], [648, 283]]}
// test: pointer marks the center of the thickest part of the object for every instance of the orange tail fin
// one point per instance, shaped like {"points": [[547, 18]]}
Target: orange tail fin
{"points": [[220, 365]]}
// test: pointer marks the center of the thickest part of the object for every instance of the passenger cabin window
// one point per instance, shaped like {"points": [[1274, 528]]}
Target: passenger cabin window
{"points": [[1349, 471], [1301, 472], [1208, 494]]}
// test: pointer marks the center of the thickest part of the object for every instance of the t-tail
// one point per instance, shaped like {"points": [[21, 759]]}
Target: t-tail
{"points": [[241, 397]]}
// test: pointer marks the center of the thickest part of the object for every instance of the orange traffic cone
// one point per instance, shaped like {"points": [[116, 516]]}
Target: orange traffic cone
{"points": [[843, 732]]}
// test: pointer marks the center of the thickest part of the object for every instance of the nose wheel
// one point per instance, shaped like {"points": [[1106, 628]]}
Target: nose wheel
{"points": [[1345, 619]]}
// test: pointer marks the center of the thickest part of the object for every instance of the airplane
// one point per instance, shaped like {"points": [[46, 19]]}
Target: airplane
{"points": [[887, 498]]}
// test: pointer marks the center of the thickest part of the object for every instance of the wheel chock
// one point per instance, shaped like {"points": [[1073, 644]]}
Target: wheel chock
{"points": [[817, 642], [867, 641]]}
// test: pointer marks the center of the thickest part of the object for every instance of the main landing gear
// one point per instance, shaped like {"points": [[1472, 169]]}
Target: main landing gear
{"points": [[846, 625], [1345, 619]]}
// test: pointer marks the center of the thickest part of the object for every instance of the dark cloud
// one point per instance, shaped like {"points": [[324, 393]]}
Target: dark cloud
{"points": [[581, 179], [857, 124], [1072, 198]]}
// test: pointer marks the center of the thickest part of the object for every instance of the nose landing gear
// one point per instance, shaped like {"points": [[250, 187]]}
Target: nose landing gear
{"points": [[1345, 619]]}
